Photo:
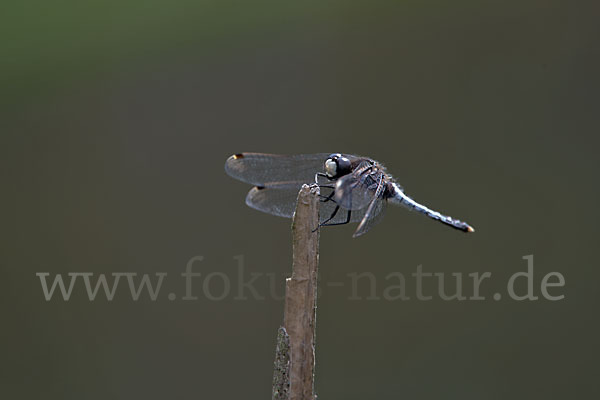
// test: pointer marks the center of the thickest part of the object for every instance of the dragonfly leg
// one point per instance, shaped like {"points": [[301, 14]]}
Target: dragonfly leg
{"points": [[331, 216], [324, 223], [321, 174], [325, 199]]}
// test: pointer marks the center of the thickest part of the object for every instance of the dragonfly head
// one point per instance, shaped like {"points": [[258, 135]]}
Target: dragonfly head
{"points": [[337, 165]]}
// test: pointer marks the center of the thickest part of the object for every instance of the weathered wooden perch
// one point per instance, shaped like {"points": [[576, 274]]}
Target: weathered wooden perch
{"points": [[293, 378]]}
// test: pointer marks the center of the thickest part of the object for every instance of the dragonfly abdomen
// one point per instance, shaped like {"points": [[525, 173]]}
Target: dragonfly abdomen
{"points": [[398, 197]]}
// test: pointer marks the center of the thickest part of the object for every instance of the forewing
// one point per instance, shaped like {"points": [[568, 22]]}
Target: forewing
{"points": [[274, 169]]}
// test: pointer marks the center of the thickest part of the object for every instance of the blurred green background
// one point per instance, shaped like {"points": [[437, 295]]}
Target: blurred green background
{"points": [[117, 117]]}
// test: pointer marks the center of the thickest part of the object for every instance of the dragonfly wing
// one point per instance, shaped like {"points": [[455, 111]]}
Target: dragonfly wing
{"points": [[279, 202], [282, 203], [374, 212], [273, 169], [370, 216]]}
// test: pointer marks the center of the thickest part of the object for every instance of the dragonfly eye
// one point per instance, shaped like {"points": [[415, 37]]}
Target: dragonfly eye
{"points": [[330, 168], [344, 166], [337, 165]]}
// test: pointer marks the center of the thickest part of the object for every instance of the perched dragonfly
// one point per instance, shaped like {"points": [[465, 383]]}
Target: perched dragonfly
{"points": [[356, 188]]}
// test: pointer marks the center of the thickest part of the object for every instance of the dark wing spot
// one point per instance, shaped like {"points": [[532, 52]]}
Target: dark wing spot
{"points": [[238, 156], [260, 187]]}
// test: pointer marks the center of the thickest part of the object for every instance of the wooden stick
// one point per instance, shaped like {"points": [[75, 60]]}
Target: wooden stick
{"points": [[295, 355]]}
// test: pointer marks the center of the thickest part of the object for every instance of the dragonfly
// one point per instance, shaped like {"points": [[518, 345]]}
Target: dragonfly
{"points": [[355, 188]]}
